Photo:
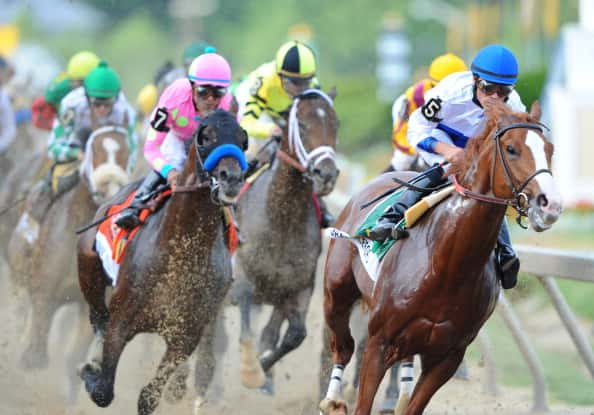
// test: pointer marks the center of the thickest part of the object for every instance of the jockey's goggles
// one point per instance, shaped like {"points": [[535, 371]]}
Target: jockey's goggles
{"points": [[102, 102], [206, 90], [490, 88], [299, 82]]}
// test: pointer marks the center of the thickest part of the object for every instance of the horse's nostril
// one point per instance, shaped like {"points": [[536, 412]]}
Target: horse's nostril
{"points": [[542, 200], [317, 171]]}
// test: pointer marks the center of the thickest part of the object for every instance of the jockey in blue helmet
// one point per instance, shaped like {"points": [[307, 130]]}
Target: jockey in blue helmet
{"points": [[439, 130]]}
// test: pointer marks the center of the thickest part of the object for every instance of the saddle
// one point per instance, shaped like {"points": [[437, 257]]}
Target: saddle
{"points": [[111, 241]]}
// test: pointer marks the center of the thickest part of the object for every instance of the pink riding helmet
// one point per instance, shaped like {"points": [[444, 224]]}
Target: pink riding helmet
{"points": [[210, 69]]}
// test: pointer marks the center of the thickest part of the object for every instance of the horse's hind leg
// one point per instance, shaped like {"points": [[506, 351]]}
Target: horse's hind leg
{"points": [[435, 373], [173, 357], [250, 370]]}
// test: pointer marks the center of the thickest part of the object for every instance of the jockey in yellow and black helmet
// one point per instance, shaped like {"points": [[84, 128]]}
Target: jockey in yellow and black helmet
{"points": [[269, 90]]}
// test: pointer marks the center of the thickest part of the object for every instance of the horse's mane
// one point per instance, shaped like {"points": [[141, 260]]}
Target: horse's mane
{"points": [[497, 114]]}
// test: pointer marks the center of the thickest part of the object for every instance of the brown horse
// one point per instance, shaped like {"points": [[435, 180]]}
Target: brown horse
{"points": [[42, 259], [175, 272], [277, 218], [437, 288]]}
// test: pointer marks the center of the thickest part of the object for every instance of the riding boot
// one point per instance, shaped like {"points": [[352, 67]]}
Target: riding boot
{"points": [[129, 217], [386, 224], [327, 217], [507, 262]]}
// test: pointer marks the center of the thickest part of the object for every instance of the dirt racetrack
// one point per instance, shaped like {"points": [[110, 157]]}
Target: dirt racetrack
{"points": [[44, 392]]}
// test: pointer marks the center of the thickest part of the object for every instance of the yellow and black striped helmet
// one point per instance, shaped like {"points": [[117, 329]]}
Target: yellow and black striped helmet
{"points": [[296, 60]]}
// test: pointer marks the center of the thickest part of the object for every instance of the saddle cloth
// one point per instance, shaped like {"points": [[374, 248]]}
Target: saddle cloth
{"points": [[111, 241], [372, 252]]}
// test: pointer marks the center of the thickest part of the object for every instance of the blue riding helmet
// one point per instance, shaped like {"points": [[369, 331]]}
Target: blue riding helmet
{"points": [[496, 63]]}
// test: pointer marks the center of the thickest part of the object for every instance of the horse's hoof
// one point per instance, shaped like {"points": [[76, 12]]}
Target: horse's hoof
{"points": [[387, 406], [176, 389], [100, 392], [333, 407], [250, 369], [34, 361], [268, 387], [349, 393]]}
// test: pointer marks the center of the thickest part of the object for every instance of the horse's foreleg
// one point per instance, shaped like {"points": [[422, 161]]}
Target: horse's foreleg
{"points": [[99, 377], [268, 343], [406, 381], [151, 393], [340, 293], [435, 373], [373, 369], [43, 309], [93, 282], [295, 311]]}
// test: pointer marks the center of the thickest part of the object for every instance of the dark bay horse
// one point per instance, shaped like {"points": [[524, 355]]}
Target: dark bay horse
{"points": [[175, 272], [437, 288], [42, 257], [277, 217]]}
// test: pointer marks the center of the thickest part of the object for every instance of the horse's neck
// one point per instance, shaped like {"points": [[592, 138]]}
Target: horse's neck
{"points": [[476, 224], [191, 213], [290, 193]]}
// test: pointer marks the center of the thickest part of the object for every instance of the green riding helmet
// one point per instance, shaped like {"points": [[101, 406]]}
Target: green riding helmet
{"points": [[102, 82], [194, 50], [58, 88]]}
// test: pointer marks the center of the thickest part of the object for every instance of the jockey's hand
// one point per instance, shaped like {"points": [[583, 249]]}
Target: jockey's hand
{"points": [[276, 131], [172, 178], [453, 154]]}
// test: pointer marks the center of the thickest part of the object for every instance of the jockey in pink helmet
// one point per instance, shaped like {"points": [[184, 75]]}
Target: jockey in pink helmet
{"points": [[175, 119]]}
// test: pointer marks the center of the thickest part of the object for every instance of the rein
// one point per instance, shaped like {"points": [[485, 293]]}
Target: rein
{"points": [[519, 200], [304, 161]]}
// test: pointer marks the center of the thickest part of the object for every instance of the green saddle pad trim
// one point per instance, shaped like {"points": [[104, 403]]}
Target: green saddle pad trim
{"points": [[380, 248]]}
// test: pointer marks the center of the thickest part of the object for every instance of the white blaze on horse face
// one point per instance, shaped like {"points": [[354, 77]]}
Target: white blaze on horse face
{"points": [[111, 146], [547, 185], [321, 112]]}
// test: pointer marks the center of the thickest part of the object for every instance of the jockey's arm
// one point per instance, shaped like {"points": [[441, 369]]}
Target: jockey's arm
{"points": [[7, 122], [63, 145], [251, 122], [157, 132]]}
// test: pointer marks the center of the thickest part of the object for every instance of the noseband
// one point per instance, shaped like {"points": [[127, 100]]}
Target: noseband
{"points": [[305, 161], [519, 200]]}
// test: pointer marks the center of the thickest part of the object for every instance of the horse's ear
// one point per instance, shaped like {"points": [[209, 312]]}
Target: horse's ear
{"points": [[535, 111], [332, 93]]}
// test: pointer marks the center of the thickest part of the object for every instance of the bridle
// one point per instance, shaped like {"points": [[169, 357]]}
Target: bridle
{"points": [[519, 200], [304, 161]]}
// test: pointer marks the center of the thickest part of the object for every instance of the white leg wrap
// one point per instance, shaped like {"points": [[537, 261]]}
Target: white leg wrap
{"points": [[407, 377], [335, 385]]}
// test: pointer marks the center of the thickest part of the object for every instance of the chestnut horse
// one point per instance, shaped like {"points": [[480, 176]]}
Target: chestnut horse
{"points": [[175, 272], [436, 288], [42, 258]]}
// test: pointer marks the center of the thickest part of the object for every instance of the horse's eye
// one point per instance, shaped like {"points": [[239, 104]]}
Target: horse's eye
{"points": [[511, 150]]}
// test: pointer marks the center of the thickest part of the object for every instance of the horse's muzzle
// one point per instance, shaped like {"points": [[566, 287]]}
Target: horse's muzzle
{"points": [[544, 212], [324, 177]]}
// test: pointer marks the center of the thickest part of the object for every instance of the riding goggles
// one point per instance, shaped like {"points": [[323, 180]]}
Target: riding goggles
{"points": [[102, 102], [298, 82], [490, 88], [215, 91]]}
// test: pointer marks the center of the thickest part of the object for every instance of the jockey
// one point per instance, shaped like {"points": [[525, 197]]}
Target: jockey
{"points": [[7, 118], [404, 154], [99, 102], [175, 120], [265, 97], [166, 74], [453, 112], [45, 108]]}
